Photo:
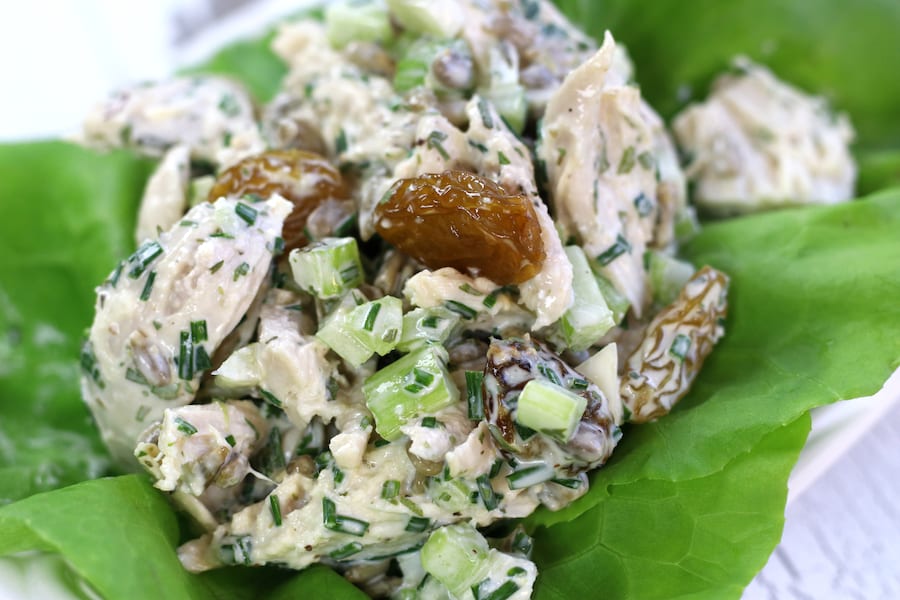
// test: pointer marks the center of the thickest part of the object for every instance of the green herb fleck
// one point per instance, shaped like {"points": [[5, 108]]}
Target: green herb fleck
{"points": [[241, 269], [184, 427], [626, 163]]}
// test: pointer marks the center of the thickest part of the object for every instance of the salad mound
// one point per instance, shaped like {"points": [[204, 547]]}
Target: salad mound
{"points": [[314, 358], [357, 333]]}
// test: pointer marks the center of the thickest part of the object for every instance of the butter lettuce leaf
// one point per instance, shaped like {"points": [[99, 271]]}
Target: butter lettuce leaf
{"points": [[68, 216], [119, 535]]}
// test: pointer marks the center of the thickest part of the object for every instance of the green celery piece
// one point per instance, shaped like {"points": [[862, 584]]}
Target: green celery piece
{"points": [[427, 17], [667, 276], [550, 409], [589, 317], [356, 21], [99, 547], [424, 325], [328, 268], [615, 300], [678, 48], [358, 332], [68, 216], [457, 556], [417, 383]]}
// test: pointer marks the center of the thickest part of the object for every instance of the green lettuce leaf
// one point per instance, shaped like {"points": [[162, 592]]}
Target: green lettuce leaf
{"points": [[112, 527], [68, 215], [825, 46], [667, 538]]}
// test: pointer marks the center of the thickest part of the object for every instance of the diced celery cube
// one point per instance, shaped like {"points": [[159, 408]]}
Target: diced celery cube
{"points": [[417, 383], [424, 325], [328, 268], [457, 556], [357, 332], [615, 300], [589, 317], [240, 371], [360, 21], [550, 409]]}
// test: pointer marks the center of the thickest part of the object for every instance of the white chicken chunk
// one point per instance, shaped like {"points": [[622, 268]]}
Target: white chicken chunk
{"points": [[432, 440], [199, 445], [602, 145], [165, 310], [758, 142], [165, 195], [288, 367], [213, 116]]}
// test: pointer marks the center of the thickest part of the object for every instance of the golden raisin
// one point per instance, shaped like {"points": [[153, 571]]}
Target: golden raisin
{"points": [[465, 221], [304, 178]]}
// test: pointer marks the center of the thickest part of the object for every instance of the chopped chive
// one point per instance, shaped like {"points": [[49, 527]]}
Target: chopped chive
{"points": [[142, 413], [530, 476], [142, 257], [337, 475], [643, 205], [502, 159], [474, 398], [619, 247], [221, 234], [429, 422], [340, 143], [485, 112], [503, 592], [461, 309], [560, 155], [431, 321], [341, 523], [230, 439], [390, 489], [371, 316], [578, 384], [680, 346], [346, 551], [229, 105], [216, 266], [135, 376], [247, 213], [434, 142], [549, 373], [198, 331], [412, 506], [329, 511], [423, 377], [646, 160], [277, 245], [515, 571], [271, 398], [479, 146], [488, 496], [626, 163], [349, 274], [226, 139], [573, 483], [470, 290], [187, 223], [418, 524], [202, 361], [114, 276], [157, 325], [185, 356], [241, 269], [275, 509], [184, 427]]}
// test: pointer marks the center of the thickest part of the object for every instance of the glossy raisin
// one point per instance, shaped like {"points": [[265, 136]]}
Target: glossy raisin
{"points": [[465, 221], [304, 178]]}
